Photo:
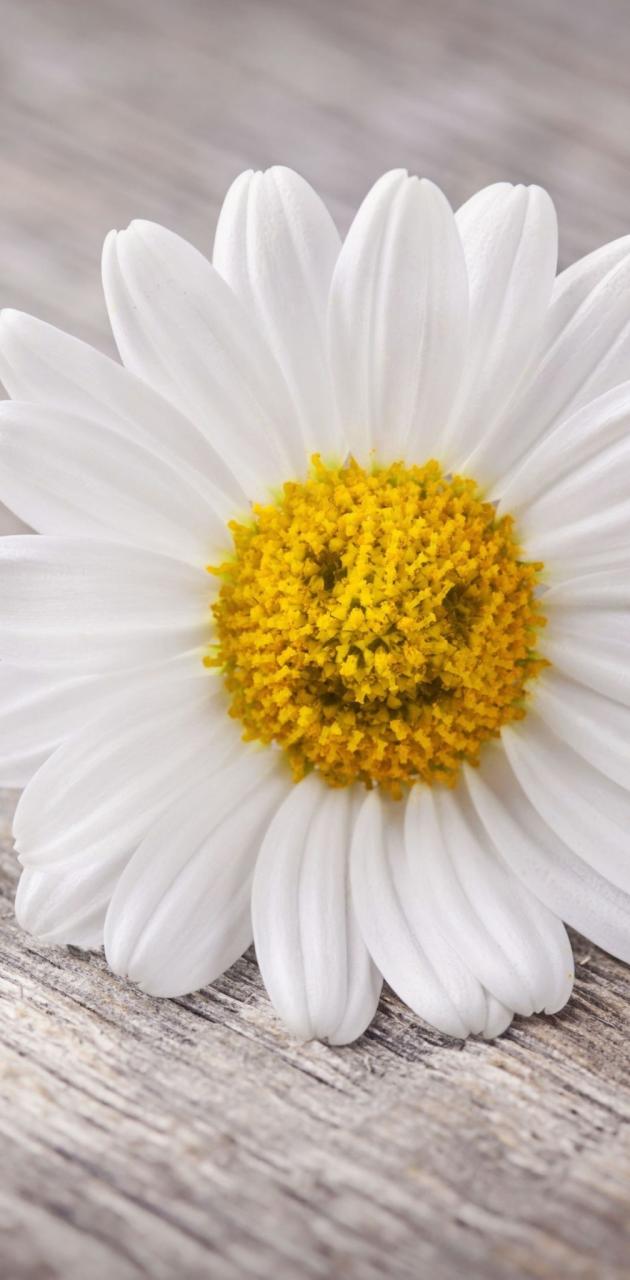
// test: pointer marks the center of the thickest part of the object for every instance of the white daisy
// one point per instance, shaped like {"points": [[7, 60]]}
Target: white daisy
{"points": [[418, 780]]}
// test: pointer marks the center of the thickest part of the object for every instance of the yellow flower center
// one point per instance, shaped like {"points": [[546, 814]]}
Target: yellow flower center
{"points": [[378, 625]]}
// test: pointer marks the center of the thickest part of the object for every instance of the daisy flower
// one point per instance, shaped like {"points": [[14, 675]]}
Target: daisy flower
{"points": [[325, 641]]}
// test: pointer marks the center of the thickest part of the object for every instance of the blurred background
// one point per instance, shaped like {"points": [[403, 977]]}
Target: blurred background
{"points": [[113, 109]]}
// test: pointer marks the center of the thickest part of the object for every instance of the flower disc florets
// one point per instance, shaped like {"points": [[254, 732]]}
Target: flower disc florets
{"points": [[377, 624]]}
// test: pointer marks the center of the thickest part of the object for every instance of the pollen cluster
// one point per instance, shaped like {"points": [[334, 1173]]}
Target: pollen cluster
{"points": [[377, 624]]}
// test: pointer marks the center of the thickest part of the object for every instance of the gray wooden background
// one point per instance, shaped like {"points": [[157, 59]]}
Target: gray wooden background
{"points": [[190, 1138]]}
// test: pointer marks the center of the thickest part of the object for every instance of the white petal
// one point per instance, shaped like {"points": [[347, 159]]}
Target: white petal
{"points": [[102, 789], [311, 956], [512, 944], [570, 888], [498, 1018], [555, 469], [589, 642], [599, 589], [571, 494], [510, 240], [585, 351], [398, 320], [83, 606], [588, 811], [596, 727], [402, 929], [67, 903], [589, 542], [38, 710], [276, 245], [35, 714], [178, 324], [17, 768], [45, 366], [573, 286], [71, 476], [180, 914], [592, 542]]}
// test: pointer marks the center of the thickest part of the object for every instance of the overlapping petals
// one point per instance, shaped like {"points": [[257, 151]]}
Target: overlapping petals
{"points": [[42, 365], [510, 238], [89, 606], [573, 889], [181, 328], [180, 912], [75, 477], [313, 959], [276, 245], [446, 922], [103, 786]]}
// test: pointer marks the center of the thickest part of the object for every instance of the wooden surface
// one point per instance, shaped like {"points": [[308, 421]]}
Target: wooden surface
{"points": [[190, 1138]]}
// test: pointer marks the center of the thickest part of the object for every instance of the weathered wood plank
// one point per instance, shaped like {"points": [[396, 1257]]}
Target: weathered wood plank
{"points": [[189, 1137]]}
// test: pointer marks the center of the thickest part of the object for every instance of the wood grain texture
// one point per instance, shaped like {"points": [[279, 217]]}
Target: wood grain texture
{"points": [[189, 1138]]}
